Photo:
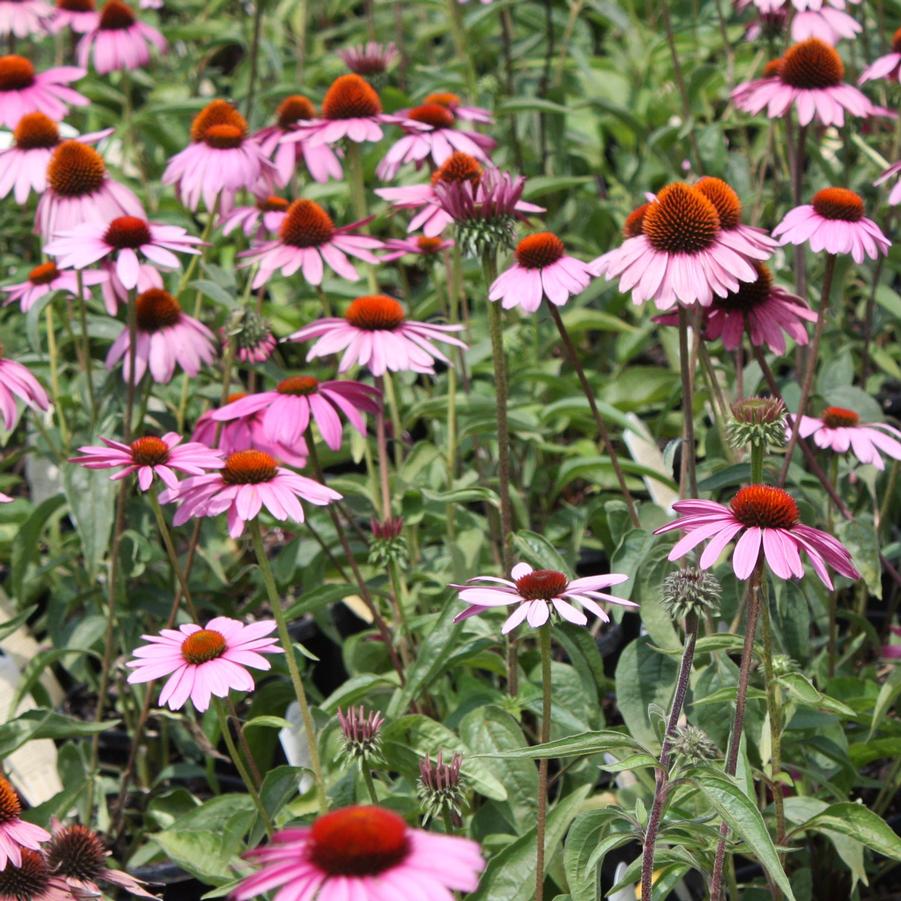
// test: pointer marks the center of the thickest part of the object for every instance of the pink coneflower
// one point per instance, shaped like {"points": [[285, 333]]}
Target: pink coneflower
{"points": [[253, 338], [538, 593], [285, 145], [32, 880], [432, 134], [364, 853], [166, 337], [150, 456], [247, 433], [5, 498], [249, 481], [833, 221], [24, 90], [220, 160], [841, 430], [542, 269], [421, 246], [287, 410], [119, 242], [80, 191], [894, 197], [47, 278], [17, 381], [114, 292], [765, 310], [887, 66], [351, 109], [769, 521], [15, 833], [370, 58], [375, 332], [810, 78], [23, 18], [80, 16], [744, 238], [23, 166], [829, 25], [258, 221], [307, 240], [461, 111], [77, 855], [204, 661], [680, 253], [892, 650], [120, 40]]}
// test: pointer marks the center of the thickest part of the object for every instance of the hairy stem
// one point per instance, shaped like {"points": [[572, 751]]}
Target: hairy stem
{"points": [[689, 479], [544, 638]]}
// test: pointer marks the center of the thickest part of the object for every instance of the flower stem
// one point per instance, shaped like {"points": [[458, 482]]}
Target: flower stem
{"points": [[738, 721], [166, 536], [284, 635], [679, 78], [662, 779], [240, 767], [812, 356], [396, 424], [132, 357], [688, 480], [370, 785], [381, 440], [757, 452], [254, 54], [358, 198], [599, 422], [544, 639], [53, 355], [86, 345], [458, 35]]}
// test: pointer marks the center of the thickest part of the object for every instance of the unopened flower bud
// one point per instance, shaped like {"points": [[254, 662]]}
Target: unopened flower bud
{"points": [[254, 341], [691, 591], [388, 543], [758, 421], [441, 787], [360, 730], [783, 665], [692, 745]]}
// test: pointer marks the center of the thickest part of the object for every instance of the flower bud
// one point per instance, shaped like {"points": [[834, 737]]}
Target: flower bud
{"points": [[360, 730], [692, 745], [441, 787], [388, 543], [691, 591], [759, 422]]}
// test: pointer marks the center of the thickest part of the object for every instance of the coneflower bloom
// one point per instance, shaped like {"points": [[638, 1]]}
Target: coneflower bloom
{"points": [[17, 382], [894, 197], [23, 165], [538, 593], [204, 661], [120, 40], [370, 58], [46, 279], [363, 853], [23, 18], [80, 16], [249, 481], [421, 246], [119, 242], [5, 498], [77, 855], [681, 253], [285, 145], [839, 429], [32, 880], [150, 456], [461, 110], [25, 90], [810, 78], [374, 332], [431, 134], [220, 160], [80, 191], [307, 240], [166, 337], [542, 269], [115, 293], [351, 109], [768, 521], [833, 221], [767, 312], [746, 238], [246, 433], [288, 409], [260, 220], [887, 66], [16, 834], [827, 20]]}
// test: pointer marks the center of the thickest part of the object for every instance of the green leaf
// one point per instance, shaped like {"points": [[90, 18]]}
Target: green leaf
{"points": [[890, 690], [463, 496], [743, 817], [804, 691], [581, 745], [510, 875], [39, 723], [860, 538], [536, 550], [91, 495], [857, 822], [10, 626], [279, 786], [581, 841], [644, 677], [270, 722], [25, 544], [35, 666]]}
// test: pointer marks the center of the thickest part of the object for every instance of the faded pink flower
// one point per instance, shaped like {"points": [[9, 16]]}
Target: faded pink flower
{"points": [[887, 66], [421, 246], [259, 221], [24, 90], [23, 18], [46, 279], [120, 40], [894, 197], [80, 16]]}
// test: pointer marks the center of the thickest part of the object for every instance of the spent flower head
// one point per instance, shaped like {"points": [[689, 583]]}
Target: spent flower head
{"points": [[758, 422], [692, 745], [691, 591], [441, 788]]}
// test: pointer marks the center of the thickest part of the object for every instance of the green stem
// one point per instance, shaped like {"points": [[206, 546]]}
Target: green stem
{"points": [[86, 345], [458, 35], [244, 744], [53, 354], [132, 358], [239, 766], [689, 479], [757, 453], [171, 553], [254, 54], [396, 424], [284, 635], [381, 440], [370, 785], [358, 198], [544, 639]]}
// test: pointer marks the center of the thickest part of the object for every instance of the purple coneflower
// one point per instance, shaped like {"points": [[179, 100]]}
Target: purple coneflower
{"points": [[47, 278], [24, 90], [840, 430], [119, 41]]}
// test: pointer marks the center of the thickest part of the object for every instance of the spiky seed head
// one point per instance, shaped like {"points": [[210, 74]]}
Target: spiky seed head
{"points": [[691, 591], [758, 422]]}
